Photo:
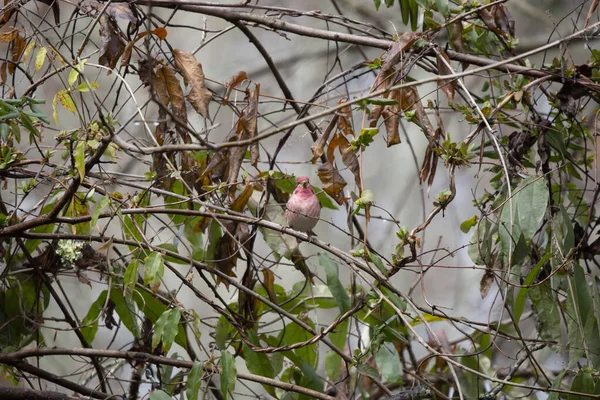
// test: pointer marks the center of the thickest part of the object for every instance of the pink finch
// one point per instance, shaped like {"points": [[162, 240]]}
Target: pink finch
{"points": [[303, 209]]}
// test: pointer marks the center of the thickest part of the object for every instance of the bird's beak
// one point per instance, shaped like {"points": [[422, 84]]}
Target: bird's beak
{"points": [[304, 184]]}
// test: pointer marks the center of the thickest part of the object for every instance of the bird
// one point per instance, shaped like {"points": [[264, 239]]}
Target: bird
{"points": [[303, 208]]}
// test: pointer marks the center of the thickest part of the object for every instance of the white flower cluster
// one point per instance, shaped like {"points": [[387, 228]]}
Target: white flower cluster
{"points": [[69, 251]]}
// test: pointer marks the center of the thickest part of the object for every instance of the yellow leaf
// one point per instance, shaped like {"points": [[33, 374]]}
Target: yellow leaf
{"points": [[40, 57], [66, 100], [27, 52], [428, 318]]}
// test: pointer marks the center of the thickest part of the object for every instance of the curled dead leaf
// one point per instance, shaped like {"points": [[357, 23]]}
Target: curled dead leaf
{"points": [[199, 96], [226, 257], [6, 37], [349, 157], [345, 118], [332, 181], [18, 46], [112, 45], [242, 199], [393, 57], [176, 101], [504, 20], [444, 68], [232, 82], [318, 147]]}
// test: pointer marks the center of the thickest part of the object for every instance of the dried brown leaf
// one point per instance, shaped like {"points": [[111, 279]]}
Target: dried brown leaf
{"points": [[241, 200], [486, 283], [411, 99], [112, 46], [455, 32], [391, 118], [394, 55], [3, 76], [405, 40], [591, 11], [269, 284], [18, 46], [345, 118], [332, 180], [250, 121], [8, 12], [189, 168], [219, 162], [391, 121], [177, 101], [318, 147], [6, 37], [226, 257], [159, 84], [443, 65], [122, 11], [349, 157], [159, 32], [430, 161], [232, 82], [199, 96], [145, 70], [159, 163], [504, 20], [488, 18]]}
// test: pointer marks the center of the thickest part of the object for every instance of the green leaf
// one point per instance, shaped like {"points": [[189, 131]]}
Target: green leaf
{"points": [[442, 7], [125, 310], [574, 331], [84, 87], [556, 385], [310, 379], [377, 4], [405, 10], [228, 373], [367, 370], [326, 201], [520, 301], [258, 363], [294, 333], [467, 224], [130, 278], [90, 322], [38, 113], [159, 395], [414, 15], [80, 159], [171, 247], [333, 361], [166, 329], [388, 362], [582, 383], [545, 307], [333, 282], [100, 206], [529, 204], [154, 270], [224, 330], [73, 75], [153, 308], [591, 334], [194, 382]]}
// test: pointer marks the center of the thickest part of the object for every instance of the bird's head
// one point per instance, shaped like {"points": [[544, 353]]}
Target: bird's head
{"points": [[303, 182]]}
